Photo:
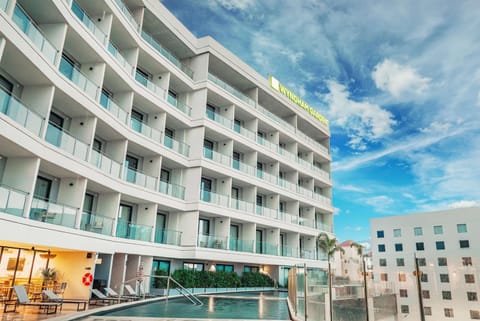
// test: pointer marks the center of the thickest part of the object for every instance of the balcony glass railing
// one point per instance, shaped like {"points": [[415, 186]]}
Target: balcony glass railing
{"points": [[4, 5], [266, 248], [288, 252], [323, 199], [267, 212], [126, 12], [235, 92], [242, 205], [28, 26], [53, 213], [184, 108], [215, 198], [105, 163], [64, 140], [96, 223], [218, 118], [146, 130], [12, 201], [306, 222], [120, 58], [228, 161], [109, 104], [212, 241], [148, 38], [176, 145], [88, 22], [324, 227], [174, 190], [241, 245], [149, 85], [171, 237], [136, 177], [78, 78], [132, 231], [308, 254], [16, 110]]}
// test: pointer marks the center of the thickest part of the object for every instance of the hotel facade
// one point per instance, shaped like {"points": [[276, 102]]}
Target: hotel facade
{"points": [[446, 246], [128, 145]]}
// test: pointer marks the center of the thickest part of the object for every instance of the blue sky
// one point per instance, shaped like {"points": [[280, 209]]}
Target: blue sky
{"points": [[398, 80]]}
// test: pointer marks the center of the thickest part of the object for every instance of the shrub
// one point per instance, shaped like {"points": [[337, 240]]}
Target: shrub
{"points": [[160, 283], [256, 279]]}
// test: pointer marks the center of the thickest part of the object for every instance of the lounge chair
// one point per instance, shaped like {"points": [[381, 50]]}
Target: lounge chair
{"points": [[112, 293], [22, 299], [52, 297], [130, 290], [103, 298]]}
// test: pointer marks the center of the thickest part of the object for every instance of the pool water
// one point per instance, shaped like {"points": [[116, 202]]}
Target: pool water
{"points": [[265, 306]]}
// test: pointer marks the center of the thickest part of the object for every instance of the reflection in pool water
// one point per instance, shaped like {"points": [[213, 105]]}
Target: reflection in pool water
{"points": [[266, 306]]}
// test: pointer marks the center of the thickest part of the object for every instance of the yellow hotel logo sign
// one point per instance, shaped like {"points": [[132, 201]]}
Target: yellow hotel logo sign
{"points": [[275, 84]]}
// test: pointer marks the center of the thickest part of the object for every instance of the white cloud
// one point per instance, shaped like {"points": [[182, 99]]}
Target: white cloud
{"points": [[364, 121], [380, 203], [236, 5], [399, 80], [436, 127], [460, 204], [351, 188]]}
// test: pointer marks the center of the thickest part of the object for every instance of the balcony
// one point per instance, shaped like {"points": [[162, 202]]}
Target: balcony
{"points": [[170, 237], [4, 5], [212, 242], [242, 205], [139, 178], [184, 108], [288, 252], [267, 212], [106, 164], [21, 114], [132, 231], [145, 130], [218, 118], [35, 34], [53, 213], [164, 52], [214, 198], [323, 199], [127, 14], [176, 145], [235, 92], [62, 139], [74, 74], [96, 223], [141, 79], [173, 190], [88, 22], [308, 254], [266, 248], [239, 245], [324, 227], [109, 104], [120, 58], [12, 201]]}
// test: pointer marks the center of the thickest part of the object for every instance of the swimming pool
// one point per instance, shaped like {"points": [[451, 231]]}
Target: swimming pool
{"points": [[259, 305]]}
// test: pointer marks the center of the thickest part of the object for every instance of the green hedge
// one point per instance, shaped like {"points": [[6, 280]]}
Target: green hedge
{"points": [[220, 279]]}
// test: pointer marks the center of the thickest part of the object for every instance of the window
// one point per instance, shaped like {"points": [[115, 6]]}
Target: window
{"points": [[382, 262], [248, 268], [211, 111], [193, 266], [417, 231], [448, 312], [224, 267], [421, 261], [462, 228], [475, 314], [466, 261], [438, 229], [208, 148], [472, 296], [424, 277], [444, 278], [446, 295], [381, 247], [425, 294], [404, 308], [400, 262], [398, 247], [440, 245], [427, 310], [402, 277], [403, 293], [397, 232], [464, 244], [442, 261], [383, 276], [380, 234], [469, 278], [420, 246]]}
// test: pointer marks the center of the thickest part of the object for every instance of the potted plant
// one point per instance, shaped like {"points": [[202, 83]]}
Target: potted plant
{"points": [[49, 276]]}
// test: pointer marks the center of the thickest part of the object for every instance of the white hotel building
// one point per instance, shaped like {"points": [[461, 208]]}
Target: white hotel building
{"points": [[447, 247], [128, 143]]}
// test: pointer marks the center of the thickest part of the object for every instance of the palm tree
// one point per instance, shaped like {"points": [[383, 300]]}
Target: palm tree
{"points": [[360, 248], [329, 246]]}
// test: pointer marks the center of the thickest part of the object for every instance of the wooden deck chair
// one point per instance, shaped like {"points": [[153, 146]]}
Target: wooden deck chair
{"points": [[52, 297], [22, 299]]}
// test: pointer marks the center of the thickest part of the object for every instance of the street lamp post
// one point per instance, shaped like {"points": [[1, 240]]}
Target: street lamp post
{"points": [[365, 287], [417, 274]]}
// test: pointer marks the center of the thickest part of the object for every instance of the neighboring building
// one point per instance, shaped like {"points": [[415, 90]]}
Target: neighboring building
{"points": [[129, 145], [447, 247], [348, 265]]}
